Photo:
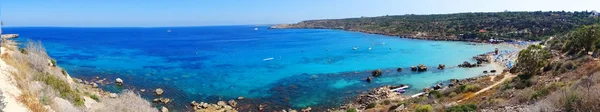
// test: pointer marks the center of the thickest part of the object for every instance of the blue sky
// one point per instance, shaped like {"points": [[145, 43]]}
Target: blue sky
{"points": [[150, 13]]}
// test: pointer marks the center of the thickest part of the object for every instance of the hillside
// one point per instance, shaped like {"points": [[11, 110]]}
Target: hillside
{"points": [[461, 26], [560, 74]]}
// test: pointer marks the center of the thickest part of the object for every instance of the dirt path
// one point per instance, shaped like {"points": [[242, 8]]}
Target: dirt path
{"points": [[9, 89], [506, 76]]}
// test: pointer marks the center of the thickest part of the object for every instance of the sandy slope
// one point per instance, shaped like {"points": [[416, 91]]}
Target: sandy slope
{"points": [[9, 88]]}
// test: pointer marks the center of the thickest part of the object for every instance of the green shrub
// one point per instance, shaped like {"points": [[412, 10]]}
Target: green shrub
{"points": [[371, 105], [435, 93], [64, 72], [95, 97], [53, 62], [351, 110], [23, 50], [387, 102], [452, 94], [61, 86], [424, 108], [468, 88], [462, 108], [540, 93], [45, 100]]}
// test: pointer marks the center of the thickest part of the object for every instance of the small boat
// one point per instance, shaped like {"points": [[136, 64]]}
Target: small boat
{"points": [[267, 59], [354, 48], [255, 29], [400, 88], [169, 30], [383, 43], [370, 48]]}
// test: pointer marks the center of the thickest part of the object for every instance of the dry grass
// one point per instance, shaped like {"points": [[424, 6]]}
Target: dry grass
{"points": [[128, 101], [30, 101]]}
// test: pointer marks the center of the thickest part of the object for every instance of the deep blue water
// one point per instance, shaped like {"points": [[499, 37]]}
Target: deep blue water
{"points": [[311, 67]]}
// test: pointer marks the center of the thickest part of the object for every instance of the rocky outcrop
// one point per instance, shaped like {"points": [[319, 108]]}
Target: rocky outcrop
{"points": [[377, 73], [221, 106], [119, 81], [373, 96], [159, 91], [413, 68], [467, 65], [441, 67], [9, 36], [421, 68]]}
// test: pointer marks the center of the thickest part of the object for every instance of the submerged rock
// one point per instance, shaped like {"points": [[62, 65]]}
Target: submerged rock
{"points": [[369, 79], [485, 71], [240, 98], [377, 73], [493, 71], [399, 69], [159, 91], [441, 66]]}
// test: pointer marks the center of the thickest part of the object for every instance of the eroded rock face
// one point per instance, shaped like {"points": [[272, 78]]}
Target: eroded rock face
{"points": [[232, 103], [221, 106], [164, 109]]}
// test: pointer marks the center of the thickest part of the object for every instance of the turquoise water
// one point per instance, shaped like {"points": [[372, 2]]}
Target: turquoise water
{"points": [[310, 67]]}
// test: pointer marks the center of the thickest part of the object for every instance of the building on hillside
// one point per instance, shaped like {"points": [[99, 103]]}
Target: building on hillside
{"points": [[595, 13]]}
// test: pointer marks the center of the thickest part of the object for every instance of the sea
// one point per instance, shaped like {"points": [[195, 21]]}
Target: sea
{"points": [[281, 68]]}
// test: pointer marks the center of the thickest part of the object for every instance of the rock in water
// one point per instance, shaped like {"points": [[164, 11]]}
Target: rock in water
{"points": [[413, 68], [159, 91], [369, 79], [441, 66], [485, 71], [493, 71], [164, 109], [377, 73], [399, 69], [421, 68], [240, 98], [119, 81]]}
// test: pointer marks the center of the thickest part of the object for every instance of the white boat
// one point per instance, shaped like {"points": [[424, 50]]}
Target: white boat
{"points": [[169, 30], [370, 48], [354, 48], [383, 43], [400, 88], [267, 59], [255, 28]]}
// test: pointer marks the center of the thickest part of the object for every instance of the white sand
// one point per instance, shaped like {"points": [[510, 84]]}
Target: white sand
{"points": [[9, 88]]}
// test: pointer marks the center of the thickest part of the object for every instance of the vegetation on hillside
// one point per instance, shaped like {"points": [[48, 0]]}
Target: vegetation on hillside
{"points": [[462, 26]]}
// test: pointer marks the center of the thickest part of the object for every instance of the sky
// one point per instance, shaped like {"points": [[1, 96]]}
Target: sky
{"points": [[161, 13]]}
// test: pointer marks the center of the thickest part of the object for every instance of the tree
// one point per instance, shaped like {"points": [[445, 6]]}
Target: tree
{"points": [[584, 39], [532, 59]]}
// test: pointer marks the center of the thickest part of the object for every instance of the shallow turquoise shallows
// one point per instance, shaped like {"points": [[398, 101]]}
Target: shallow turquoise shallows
{"points": [[287, 68]]}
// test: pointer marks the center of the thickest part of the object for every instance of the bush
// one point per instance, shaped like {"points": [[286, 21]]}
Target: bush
{"points": [[22, 50], [371, 105], [64, 72], [351, 110], [452, 94], [468, 88], [387, 102], [424, 108], [61, 86], [540, 93], [53, 62], [95, 97], [462, 108], [435, 93]]}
